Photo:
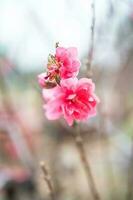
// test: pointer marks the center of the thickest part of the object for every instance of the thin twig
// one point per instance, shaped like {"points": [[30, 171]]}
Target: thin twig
{"points": [[47, 179], [91, 50], [85, 163]]}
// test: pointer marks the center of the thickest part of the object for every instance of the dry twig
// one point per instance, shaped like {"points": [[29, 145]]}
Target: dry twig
{"points": [[91, 50], [47, 179], [85, 163]]}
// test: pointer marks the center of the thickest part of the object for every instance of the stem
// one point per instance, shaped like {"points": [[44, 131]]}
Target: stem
{"points": [[48, 180], [85, 163], [89, 67]]}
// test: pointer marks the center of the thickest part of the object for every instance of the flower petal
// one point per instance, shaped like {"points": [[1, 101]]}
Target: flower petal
{"points": [[86, 83], [69, 83], [42, 79], [50, 93], [73, 51]]}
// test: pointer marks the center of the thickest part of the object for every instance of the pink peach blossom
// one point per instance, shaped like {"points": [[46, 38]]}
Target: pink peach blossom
{"points": [[63, 65], [73, 99], [67, 61]]}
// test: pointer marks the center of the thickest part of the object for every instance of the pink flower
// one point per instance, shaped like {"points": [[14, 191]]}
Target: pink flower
{"points": [[63, 65], [74, 100], [67, 61]]}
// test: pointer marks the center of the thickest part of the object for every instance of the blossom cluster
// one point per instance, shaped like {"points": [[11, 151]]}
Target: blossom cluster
{"points": [[63, 93]]}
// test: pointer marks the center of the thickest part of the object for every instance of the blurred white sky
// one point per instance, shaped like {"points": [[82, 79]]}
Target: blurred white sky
{"points": [[30, 28]]}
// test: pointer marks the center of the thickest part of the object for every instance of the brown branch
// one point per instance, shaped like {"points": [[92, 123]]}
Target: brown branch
{"points": [[91, 50], [85, 163], [48, 180]]}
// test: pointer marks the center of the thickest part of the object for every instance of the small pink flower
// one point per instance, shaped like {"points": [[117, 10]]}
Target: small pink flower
{"points": [[68, 62], [74, 100], [64, 64]]}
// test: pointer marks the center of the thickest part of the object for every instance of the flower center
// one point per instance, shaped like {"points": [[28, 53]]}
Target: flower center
{"points": [[53, 67], [72, 97]]}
